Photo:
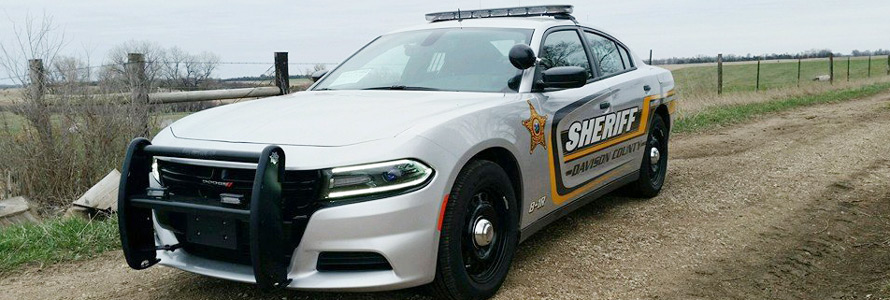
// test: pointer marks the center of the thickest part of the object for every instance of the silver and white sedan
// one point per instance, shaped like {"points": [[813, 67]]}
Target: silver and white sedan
{"points": [[423, 159]]}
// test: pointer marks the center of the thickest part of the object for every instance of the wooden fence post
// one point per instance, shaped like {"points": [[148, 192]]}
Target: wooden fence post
{"points": [[282, 78], [831, 68], [799, 61], [757, 86], [848, 68], [139, 91], [38, 109], [869, 66], [720, 74], [650, 57], [888, 64]]}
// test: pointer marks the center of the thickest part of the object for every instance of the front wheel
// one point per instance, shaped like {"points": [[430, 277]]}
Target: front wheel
{"points": [[653, 169], [479, 235]]}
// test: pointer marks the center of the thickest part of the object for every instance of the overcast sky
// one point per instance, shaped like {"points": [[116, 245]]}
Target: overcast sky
{"points": [[328, 31]]}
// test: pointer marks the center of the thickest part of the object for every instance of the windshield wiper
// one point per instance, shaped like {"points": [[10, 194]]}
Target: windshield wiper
{"points": [[402, 87]]}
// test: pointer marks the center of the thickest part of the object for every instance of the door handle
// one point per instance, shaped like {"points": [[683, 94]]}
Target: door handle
{"points": [[647, 88], [605, 105]]}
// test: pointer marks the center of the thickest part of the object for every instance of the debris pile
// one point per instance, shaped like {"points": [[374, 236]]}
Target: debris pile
{"points": [[99, 199]]}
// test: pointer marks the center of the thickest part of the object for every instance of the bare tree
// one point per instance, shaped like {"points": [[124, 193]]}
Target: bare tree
{"points": [[182, 70], [36, 43], [115, 74], [34, 38]]}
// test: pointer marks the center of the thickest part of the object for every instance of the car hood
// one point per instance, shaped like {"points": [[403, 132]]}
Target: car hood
{"points": [[326, 118]]}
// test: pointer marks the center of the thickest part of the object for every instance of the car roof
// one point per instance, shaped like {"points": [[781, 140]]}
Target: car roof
{"points": [[537, 23]]}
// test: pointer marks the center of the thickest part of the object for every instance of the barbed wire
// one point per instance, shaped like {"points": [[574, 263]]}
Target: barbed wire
{"points": [[240, 62], [271, 64]]}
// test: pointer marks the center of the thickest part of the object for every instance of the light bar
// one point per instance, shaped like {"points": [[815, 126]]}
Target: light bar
{"points": [[524, 11]]}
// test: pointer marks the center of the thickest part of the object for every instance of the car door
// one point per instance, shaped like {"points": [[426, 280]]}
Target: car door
{"points": [[567, 109], [632, 91]]}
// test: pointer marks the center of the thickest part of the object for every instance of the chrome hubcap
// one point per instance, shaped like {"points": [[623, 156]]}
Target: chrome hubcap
{"points": [[654, 156], [483, 232]]}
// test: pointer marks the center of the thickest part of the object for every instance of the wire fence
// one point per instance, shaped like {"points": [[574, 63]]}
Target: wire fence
{"points": [[222, 74], [753, 76]]}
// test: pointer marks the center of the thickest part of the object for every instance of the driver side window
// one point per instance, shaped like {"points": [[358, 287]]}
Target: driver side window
{"points": [[564, 48]]}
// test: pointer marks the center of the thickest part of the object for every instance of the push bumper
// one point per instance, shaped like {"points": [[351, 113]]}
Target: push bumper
{"points": [[402, 229]]}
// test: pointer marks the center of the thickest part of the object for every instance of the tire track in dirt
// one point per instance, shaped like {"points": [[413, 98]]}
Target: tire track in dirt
{"points": [[791, 205]]}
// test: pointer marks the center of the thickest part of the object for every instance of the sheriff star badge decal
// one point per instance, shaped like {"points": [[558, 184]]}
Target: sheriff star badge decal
{"points": [[535, 125]]}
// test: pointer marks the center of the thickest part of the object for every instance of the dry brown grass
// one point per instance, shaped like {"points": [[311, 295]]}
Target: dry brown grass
{"points": [[7, 95], [88, 136], [691, 104]]}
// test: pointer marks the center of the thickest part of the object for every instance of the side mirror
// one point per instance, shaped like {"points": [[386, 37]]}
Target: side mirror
{"points": [[318, 75], [522, 56], [563, 77]]}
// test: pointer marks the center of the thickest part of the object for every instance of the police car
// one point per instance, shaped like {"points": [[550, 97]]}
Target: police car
{"points": [[425, 158]]}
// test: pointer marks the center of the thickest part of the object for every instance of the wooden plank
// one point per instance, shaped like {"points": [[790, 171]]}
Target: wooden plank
{"points": [[180, 97], [103, 195], [16, 210]]}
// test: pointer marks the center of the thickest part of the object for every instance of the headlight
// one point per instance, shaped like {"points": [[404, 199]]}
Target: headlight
{"points": [[154, 170], [363, 180]]}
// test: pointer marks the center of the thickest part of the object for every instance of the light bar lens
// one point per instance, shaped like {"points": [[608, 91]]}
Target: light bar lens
{"points": [[501, 12], [376, 178]]}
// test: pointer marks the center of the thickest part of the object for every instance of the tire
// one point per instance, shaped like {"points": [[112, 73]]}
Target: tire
{"points": [[464, 269], [652, 175]]}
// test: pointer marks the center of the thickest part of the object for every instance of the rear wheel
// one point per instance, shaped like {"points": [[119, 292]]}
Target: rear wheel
{"points": [[653, 170], [479, 234]]}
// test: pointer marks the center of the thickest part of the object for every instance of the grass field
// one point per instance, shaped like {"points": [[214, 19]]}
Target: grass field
{"points": [[701, 79], [731, 114]]}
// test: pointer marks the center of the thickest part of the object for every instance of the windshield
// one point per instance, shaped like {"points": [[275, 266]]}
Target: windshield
{"points": [[448, 59]]}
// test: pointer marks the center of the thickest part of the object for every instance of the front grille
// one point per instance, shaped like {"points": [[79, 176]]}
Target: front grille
{"points": [[203, 185], [352, 261], [299, 188]]}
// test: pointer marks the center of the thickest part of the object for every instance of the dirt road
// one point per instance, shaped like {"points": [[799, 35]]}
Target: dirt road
{"points": [[792, 206]]}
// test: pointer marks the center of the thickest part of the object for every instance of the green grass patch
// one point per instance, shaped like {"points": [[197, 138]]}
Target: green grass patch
{"points": [[56, 241], [731, 114]]}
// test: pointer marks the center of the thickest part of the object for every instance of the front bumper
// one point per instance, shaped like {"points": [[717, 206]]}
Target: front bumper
{"points": [[401, 228]]}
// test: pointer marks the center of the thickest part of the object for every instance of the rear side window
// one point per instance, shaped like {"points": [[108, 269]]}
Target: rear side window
{"points": [[625, 57], [605, 51], [564, 48]]}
